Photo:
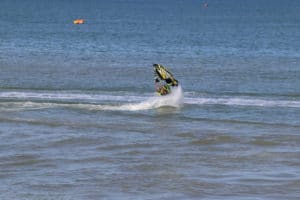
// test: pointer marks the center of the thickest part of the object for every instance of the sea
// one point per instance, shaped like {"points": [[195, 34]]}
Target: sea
{"points": [[80, 119]]}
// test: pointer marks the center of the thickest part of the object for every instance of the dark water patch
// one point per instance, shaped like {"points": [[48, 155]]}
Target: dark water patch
{"points": [[91, 160], [214, 140], [263, 181], [148, 167], [64, 123], [276, 156], [295, 162], [79, 141], [280, 139], [5, 174], [23, 160], [186, 135], [117, 147], [50, 187], [264, 143], [233, 121], [33, 122]]}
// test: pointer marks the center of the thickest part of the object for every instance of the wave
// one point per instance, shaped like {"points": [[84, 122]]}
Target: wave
{"points": [[172, 100], [62, 96], [24, 100], [243, 101]]}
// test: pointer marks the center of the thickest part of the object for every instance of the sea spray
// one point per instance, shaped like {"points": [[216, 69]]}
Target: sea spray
{"points": [[32, 101], [174, 99]]}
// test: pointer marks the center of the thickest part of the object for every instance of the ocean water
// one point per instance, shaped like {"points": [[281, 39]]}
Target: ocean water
{"points": [[79, 118]]}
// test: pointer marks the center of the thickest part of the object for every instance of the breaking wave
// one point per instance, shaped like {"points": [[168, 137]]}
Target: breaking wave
{"points": [[23, 100], [243, 101], [126, 103]]}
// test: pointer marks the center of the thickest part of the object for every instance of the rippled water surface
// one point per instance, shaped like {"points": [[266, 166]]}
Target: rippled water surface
{"points": [[79, 118]]}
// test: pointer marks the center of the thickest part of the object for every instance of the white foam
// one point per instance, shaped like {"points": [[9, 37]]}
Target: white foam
{"points": [[242, 101], [69, 96], [175, 99], [29, 100], [172, 100], [27, 105]]}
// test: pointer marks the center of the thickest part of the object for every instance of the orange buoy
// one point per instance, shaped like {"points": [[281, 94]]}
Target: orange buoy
{"points": [[78, 21]]}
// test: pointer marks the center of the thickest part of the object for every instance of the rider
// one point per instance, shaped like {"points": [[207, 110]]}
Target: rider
{"points": [[162, 89]]}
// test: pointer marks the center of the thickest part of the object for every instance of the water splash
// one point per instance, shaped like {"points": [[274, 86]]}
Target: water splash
{"points": [[32, 100], [175, 99], [242, 101]]}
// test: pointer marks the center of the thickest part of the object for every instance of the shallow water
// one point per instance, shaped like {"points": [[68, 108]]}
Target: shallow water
{"points": [[79, 118]]}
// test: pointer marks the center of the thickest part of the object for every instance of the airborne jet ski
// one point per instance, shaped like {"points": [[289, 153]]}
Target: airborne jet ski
{"points": [[164, 80]]}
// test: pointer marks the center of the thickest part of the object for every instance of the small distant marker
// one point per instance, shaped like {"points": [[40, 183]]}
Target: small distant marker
{"points": [[78, 21], [205, 5]]}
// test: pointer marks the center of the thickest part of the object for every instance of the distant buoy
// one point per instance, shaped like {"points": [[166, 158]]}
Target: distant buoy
{"points": [[78, 21]]}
